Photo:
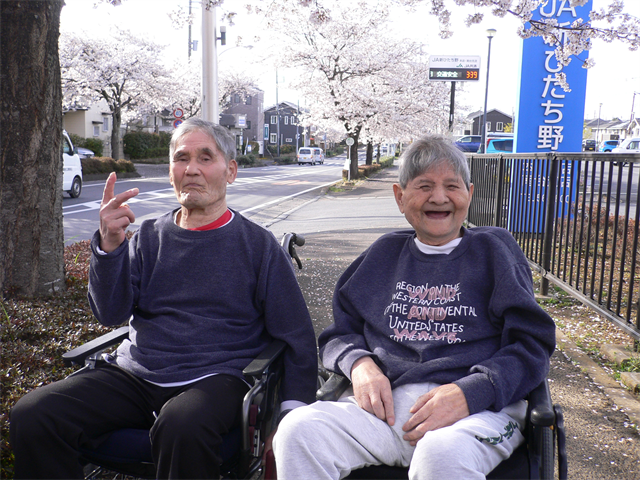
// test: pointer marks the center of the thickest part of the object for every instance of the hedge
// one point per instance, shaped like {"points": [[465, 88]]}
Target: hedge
{"points": [[94, 144], [96, 165], [146, 145]]}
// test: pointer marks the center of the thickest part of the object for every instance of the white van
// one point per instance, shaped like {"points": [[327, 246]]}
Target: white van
{"points": [[630, 145], [310, 155], [71, 168], [318, 155]]}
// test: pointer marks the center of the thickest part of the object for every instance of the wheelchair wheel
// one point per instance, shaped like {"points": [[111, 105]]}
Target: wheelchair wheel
{"points": [[548, 454]]}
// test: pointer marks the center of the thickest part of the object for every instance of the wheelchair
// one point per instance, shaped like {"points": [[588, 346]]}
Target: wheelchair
{"points": [[534, 459], [128, 451]]}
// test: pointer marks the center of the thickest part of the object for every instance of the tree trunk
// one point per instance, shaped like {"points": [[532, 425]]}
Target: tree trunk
{"points": [[353, 153], [116, 116], [369, 160], [31, 227]]}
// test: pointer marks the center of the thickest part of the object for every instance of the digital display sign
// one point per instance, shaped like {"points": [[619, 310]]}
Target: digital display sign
{"points": [[454, 74], [454, 68]]}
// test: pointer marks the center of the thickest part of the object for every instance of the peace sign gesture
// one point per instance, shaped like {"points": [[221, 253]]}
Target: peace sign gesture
{"points": [[115, 215]]}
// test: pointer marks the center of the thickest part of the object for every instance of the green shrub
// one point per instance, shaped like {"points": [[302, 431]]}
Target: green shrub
{"points": [[255, 148], [125, 166], [284, 149], [157, 152], [246, 160], [98, 165], [285, 160], [96, 145], [146, 145]]}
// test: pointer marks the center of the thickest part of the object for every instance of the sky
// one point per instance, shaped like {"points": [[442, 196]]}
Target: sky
{"points": [[611, 82]]}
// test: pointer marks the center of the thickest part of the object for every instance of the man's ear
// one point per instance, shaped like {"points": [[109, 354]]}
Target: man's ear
{"points": [[232, 171], [398, 193]]}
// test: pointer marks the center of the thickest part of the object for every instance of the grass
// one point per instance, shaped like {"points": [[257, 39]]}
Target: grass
{"points": [[36, 332]]}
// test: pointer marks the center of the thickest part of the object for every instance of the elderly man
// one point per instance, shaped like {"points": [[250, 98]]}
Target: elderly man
{"points": [[204, 291], [438, 330]]}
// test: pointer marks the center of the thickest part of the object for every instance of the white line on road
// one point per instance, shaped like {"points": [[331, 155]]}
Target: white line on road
{"points": [[169, 192]]}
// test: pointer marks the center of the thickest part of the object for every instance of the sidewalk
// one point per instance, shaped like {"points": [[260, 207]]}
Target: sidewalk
{"points": [[338, 226]]}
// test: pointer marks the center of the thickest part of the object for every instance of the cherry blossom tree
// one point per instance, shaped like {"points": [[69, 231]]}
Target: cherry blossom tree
{"points": [[122, 69], [608, 23], [355, 75]]}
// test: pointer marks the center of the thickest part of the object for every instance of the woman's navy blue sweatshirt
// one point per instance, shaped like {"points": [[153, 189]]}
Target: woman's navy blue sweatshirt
{"points": [[468, 318]]}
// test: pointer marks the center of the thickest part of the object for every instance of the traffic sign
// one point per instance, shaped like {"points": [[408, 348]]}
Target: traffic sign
{"points": [[454, 68], [177, 122], [178, 113], [349, 141]]}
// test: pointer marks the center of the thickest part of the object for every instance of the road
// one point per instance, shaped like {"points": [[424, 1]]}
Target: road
{"points": [[253, 190]]}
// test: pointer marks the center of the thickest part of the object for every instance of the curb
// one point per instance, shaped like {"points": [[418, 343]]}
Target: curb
{"points": [[625, 401]]}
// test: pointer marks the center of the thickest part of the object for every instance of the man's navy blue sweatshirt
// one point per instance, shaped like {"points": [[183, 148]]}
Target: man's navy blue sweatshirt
{"points": [[202, 302]]}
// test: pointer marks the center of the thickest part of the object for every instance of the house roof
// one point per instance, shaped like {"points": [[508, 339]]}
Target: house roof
{"points": [[285, 104], [601, 124], [479, 113]]}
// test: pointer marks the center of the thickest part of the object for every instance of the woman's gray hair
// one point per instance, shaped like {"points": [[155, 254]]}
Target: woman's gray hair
{"points": [[225, 142], [428, 152]]}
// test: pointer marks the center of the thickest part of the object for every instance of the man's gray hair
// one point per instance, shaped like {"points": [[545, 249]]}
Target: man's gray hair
{"points": [[223, 139], [428, 152]]}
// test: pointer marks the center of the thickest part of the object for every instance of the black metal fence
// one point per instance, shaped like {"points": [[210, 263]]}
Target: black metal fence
{"points": [[576, 217]]}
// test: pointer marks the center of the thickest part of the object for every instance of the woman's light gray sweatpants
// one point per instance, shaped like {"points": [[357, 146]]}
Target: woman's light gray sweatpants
{"points": [[327, 440]]}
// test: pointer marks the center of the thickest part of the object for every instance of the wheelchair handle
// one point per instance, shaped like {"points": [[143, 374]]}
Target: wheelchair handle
{"points": [[289, 241]]}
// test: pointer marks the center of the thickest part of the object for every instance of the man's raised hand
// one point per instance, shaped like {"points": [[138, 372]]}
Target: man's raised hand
{"points": [[115, 215]]}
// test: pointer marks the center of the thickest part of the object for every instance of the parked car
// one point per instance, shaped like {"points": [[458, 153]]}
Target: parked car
{"points": [[589, 145], [71, 167], [500, 145], [311, 155], [608, 145], [630, 145], [469, 143], [85, 152]]}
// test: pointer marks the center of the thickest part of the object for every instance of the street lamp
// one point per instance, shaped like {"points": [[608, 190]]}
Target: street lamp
{"points": [[490, 33], [633, 101], [598, 127]]}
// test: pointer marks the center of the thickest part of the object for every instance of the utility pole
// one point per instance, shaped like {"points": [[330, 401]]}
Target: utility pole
{"points": [[190, 44], [277, 115], [209, 65]]}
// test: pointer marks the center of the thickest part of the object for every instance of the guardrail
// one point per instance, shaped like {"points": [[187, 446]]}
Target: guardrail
{"points": [[576, 216]]}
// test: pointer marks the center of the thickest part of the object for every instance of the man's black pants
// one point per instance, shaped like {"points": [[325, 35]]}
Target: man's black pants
{"points": [[50, 424]]}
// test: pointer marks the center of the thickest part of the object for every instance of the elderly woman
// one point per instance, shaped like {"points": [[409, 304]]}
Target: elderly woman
{"points": [[438, 330]]}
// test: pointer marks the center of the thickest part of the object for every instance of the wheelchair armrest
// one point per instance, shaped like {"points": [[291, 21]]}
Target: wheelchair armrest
{"points": [[78, 355], [333, 388], [541, 406], [264, 360]]}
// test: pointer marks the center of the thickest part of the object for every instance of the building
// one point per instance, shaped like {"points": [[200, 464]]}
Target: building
{"points": [[289, 131], [93, 121], [245, 116], [497, 122], [616, 129]]}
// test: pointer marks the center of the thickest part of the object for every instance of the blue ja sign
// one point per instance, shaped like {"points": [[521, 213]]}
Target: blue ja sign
{"points": [[549, 119]]}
